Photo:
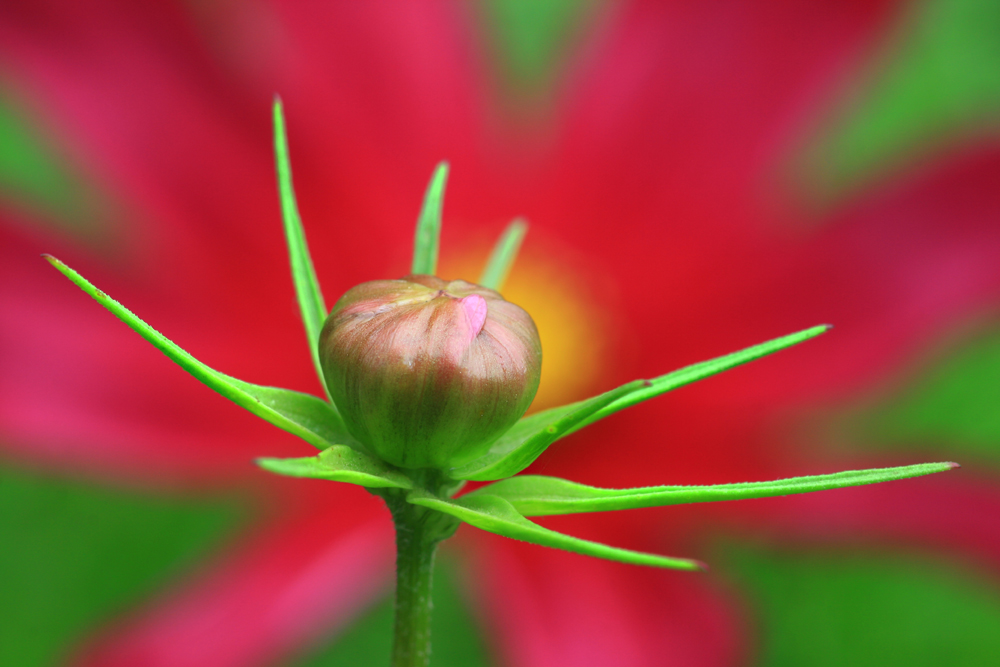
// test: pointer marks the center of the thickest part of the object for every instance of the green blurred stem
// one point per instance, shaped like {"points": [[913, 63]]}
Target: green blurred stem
{"points": [[418, 533]]}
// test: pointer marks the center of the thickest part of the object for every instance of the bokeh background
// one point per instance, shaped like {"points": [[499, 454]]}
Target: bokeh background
{"points": [[700, 176]]}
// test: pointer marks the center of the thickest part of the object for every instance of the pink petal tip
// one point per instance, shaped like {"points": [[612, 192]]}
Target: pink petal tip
{"points": [[475, 310]]}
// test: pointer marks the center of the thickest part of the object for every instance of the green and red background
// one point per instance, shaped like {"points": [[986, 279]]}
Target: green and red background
{"points": [[699, 176]]}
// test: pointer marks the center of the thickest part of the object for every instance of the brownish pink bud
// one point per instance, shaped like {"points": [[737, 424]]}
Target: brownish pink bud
{"points": [[428, 373]]}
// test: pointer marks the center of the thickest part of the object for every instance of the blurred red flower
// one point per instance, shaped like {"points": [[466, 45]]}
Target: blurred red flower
{"points": [[663, 235]]}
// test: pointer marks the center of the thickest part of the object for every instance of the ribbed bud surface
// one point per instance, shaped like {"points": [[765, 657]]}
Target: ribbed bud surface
{"points": [[428, 373]]}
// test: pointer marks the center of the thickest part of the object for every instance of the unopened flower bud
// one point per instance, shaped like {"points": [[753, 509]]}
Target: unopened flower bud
{"points": [[428, 373]]}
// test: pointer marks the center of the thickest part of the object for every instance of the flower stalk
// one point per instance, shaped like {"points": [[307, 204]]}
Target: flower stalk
{"points": [[419, 531], [411, 642]]}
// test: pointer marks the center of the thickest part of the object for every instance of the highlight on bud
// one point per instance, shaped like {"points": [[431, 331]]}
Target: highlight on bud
{"points": [[428, 373]]}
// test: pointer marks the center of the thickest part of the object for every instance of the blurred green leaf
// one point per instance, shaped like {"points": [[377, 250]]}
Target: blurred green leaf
{"points": [[503, 255], [495, 515], [36, 178], [951, 405], [868, 610], [935, 83], [303, 274], [73, 555], [457, 639], [428, 235], [340, 463], [310, 418], [536, 495], [532, 39]]}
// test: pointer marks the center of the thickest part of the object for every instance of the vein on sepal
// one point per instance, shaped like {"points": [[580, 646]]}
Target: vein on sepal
{"points": [[537, 495], [340, 463], [496, 515]]}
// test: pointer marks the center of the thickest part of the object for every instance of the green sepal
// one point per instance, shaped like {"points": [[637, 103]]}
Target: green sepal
{"points": [[303, 274], [310, 418], [528, 439], [504, 253], [699, 371], [530, 436], [341, 463], [495, 515], [536, 495], [428, 235]]}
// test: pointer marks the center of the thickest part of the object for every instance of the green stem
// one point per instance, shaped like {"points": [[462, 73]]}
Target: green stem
{"points": [[414, 568], [418, 532]]}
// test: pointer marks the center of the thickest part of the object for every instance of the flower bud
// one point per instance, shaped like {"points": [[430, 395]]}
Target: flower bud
{"points": [[428, 373]]}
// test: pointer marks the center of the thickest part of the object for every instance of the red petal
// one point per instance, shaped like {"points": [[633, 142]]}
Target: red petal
{"points": [[80, 391], [698, 99], [892, 273], [285, 587], [956, 512], [550, 608]]}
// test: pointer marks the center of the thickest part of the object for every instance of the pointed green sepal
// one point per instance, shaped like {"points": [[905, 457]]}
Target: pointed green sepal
{"points": [[495, 515], [526, 441], [503, 255], [428, 236], [703, 370], [643, 390], [536, 495], [341, 463], [518, 448], [304, 276], [310, 418]]}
